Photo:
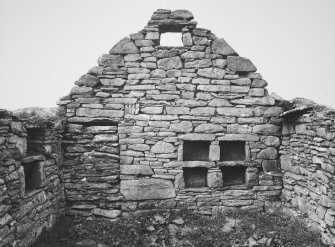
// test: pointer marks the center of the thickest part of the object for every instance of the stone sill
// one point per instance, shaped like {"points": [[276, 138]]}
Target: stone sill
{"points": [[233, 163], [31, 193]]}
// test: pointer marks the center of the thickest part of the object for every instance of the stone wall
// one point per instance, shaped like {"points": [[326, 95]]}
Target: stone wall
{"points": [[31, 189], [133, 121], [307, 162]]}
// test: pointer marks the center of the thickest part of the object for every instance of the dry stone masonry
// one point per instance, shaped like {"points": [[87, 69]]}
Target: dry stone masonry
{"points": [[307, 162], [31, 186], [166, 127]]}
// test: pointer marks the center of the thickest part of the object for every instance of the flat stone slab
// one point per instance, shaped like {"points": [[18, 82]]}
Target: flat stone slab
{"points": [[147, 189]]}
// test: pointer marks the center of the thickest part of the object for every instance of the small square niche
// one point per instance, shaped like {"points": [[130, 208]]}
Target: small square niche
{"points": [[233, 175], [195, 177], [196, 150], [232, 151], [33, 176]]}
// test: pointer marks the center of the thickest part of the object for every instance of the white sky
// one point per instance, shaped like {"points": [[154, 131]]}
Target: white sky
{"points": [[46, 45]]}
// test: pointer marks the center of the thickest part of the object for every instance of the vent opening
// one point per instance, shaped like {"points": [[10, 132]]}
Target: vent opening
{"points": [[233, 175], [195, 177], [196, 150], [33, 176], [171, 39], [232, 151]]}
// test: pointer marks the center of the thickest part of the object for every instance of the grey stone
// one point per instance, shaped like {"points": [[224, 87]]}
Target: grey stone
{"points": [[267, 129], [259, 83], [169, 63], [214, 73], [124, 46], [158, 73], [89, 112], [214, 88], [192, 55], [286, 164], [240, 64], [257, 92], [269, 165], [183, 126], [214, 152], [219, 103], [209, 128], [190, 103], [197, 137], [162, 148], [117, 82], [235, 112], [152, 35], [181, 14], [220, 46], [107, 60], [203, 111], [177, 110], [200, 81], [105, 138], [81, 90], [152, 110], [136, 170], [87, 80], [147, 189], [144, 43], [239, 89], [132, 58], [214, 179], [200, 40], [268, 153], [107, 213], [187, 39], [241, 82], [272, 141], [239, 137], [203, 63]]}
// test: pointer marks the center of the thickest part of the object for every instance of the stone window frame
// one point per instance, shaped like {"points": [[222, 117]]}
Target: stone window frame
{"points": [[213, 164]]}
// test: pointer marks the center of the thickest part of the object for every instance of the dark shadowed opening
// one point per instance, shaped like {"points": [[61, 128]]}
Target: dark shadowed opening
{"points": [[33, 176], [196, 150], [195, 177], [34, 137], [233, 175], [232, 150]]}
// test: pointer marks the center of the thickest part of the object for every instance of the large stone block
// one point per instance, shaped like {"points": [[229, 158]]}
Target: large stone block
{"points": [[220, 46], [147, 189], [286, 164], [124, 46], [191, 55], [198, 137], [87, 80], [267, 129], [240, 64]]}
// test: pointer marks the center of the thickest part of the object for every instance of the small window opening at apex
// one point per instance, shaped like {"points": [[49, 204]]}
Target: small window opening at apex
{"points": [[171, 39]]}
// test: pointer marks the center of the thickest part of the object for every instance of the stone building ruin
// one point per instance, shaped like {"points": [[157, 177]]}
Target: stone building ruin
{"points": [[167, 127]]}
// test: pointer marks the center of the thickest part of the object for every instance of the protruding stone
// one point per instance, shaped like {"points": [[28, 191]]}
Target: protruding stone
{"points": [[147, 189], [181, 14], [240, 64], [87, 80], [220, 46], [269, 165], [124, 46]]}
